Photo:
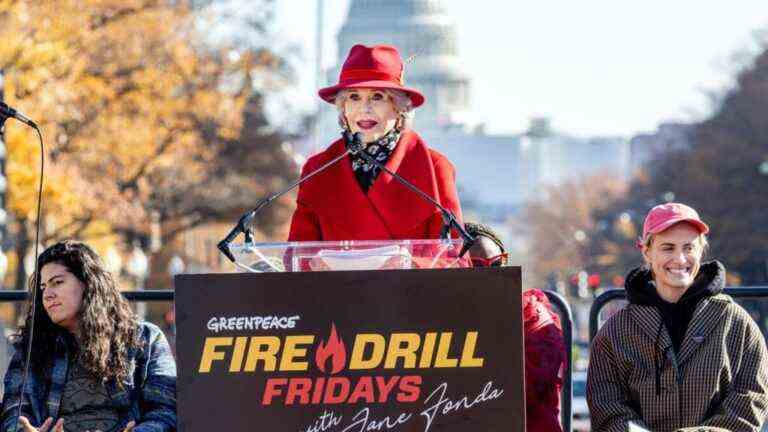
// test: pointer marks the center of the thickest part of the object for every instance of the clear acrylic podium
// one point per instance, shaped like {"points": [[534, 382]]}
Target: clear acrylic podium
{"points": [[348, 255]]}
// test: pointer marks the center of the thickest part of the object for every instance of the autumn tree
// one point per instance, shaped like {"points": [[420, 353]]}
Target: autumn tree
{"points": [[560, 227], [723, 174], [143, 116]]}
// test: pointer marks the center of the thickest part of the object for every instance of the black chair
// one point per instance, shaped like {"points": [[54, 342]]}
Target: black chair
{"points": [[563, 310]]}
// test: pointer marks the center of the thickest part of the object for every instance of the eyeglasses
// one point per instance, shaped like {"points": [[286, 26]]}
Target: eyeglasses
{"points": [[494, 261]]}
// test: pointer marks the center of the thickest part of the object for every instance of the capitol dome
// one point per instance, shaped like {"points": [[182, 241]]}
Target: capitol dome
{"points": [[418, 28]]}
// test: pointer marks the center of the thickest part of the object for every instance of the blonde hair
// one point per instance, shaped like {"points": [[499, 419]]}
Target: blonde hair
{"points": [[402, 102]]}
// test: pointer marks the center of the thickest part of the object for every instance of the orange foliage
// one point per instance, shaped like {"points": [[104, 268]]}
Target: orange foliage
{"points": [[560, 225], [123, 90]]}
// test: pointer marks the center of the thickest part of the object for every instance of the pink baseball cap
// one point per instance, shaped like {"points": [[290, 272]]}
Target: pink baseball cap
{"points": [[664, 216]]}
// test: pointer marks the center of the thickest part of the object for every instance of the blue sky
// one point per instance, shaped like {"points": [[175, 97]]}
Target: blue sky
{"points": [[596, 67]]}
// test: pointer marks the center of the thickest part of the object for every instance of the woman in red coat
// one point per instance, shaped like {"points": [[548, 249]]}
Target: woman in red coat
{"points": [[354, 200]]}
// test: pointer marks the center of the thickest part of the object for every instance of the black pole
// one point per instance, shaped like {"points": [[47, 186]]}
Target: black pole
{"points": [[3, 178]]}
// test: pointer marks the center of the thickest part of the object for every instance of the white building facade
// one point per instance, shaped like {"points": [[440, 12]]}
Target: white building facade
{"points": [[496, 174]]}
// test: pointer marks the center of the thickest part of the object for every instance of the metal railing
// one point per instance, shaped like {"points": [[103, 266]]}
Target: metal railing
{"points": [[566, 320], [620, 294], [140, 295], [558, 301]]}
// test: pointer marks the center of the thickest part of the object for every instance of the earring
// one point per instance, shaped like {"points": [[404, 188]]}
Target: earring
{"points": [[400, 123], [345, 124]]}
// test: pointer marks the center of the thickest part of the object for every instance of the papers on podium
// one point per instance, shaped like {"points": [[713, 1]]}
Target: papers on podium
{"points": [[348, 255], [392, 256]]}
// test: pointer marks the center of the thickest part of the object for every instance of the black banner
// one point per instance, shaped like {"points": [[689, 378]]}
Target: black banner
{"points": [[399, 350]]}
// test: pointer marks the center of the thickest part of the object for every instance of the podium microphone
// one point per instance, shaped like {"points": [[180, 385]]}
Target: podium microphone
{"points": [[354, 143], [246, 220], [8, 112]]}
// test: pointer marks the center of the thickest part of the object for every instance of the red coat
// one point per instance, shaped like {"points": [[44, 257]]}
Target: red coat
{"points": [[332, 206], [544, 358]]}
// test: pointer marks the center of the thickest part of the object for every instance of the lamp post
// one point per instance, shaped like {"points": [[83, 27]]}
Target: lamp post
{"points": [[175, 266], [318, 72], [29, 259], [138, 267], [113, 262]]}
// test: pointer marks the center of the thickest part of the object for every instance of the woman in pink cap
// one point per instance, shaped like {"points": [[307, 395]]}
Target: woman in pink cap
{"points": [[682, 355], [353, 199]]}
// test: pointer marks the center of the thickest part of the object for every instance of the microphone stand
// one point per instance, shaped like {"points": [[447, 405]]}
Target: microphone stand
{"points": [[246, 220], [355, 147], [7, 112]]}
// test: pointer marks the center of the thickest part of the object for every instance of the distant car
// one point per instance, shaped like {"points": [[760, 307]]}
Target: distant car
{"points": [[580, 420]]}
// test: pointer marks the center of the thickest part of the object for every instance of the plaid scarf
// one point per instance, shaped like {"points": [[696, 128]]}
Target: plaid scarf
{"points": [[380, 150]]}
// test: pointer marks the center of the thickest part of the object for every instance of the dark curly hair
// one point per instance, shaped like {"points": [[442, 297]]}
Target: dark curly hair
{"points": [[477, 229], [108, 327]]}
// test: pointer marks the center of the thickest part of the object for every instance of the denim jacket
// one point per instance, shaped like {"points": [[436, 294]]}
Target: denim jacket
{"points": [[148, 396]]}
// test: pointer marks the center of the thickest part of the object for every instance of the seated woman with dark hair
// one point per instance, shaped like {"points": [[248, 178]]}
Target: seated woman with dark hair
{"points": [[543, 338], [94, 366]]}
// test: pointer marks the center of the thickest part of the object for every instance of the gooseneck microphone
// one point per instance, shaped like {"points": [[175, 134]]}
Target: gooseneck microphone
{"points": [[244, 225], [8, 112], [354, 143]]}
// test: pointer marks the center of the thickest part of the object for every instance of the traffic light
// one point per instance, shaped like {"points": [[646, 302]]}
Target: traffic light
{"points": [[593, 281], [579, 284]]}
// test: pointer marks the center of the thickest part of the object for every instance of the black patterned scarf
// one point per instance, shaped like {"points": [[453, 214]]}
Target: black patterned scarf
{"points": [[380, 150]]}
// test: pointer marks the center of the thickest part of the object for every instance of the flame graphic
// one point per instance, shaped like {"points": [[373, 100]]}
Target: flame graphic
{"points": [[334, 350]]}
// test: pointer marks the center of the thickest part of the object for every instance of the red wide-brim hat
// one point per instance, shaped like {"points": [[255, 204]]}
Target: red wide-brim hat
{"points": [[376, 67]]}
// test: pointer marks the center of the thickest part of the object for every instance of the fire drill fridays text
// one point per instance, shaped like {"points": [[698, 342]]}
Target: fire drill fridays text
{"points": [[369, 351]]}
